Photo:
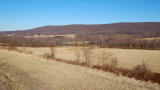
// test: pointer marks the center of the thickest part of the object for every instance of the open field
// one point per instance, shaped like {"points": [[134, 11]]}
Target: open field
{"points": [[29, 72], [154, 38], [49, 36], [127, 58]]}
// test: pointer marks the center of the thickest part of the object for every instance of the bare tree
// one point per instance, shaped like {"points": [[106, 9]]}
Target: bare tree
{"points": [[87, 52], [53, 52], [78, 56], [113, 61], [103, 57], [106, 59]]}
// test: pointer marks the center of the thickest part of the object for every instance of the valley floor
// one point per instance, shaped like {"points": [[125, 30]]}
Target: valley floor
{"points": [[127, 58]]}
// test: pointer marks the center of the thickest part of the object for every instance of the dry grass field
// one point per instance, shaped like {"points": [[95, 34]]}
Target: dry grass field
{"points": [[154, 38], [29, 72], [47, 36], [127, 58]]}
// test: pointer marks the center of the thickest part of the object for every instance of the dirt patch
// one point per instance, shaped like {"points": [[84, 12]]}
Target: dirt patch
{"points": [[5, 82]]}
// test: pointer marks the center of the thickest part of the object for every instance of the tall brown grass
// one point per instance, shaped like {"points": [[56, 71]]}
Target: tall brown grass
{"points": [[109, 63]]}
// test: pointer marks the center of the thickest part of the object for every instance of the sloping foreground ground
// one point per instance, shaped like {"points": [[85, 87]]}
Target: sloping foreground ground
{"points": [[29, 72]]}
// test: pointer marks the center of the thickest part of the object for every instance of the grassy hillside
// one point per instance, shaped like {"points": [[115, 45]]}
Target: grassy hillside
{"points": [[29, 72]]}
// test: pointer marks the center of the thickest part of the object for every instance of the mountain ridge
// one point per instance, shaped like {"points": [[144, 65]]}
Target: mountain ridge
{"points": [[121, 27]]}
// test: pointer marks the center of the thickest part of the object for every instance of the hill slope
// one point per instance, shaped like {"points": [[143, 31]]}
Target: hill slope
{"points": [[145, 28], [29, 72]]}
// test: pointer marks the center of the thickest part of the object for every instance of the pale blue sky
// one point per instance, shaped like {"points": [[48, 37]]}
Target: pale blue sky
{"points": [[26, 14]]}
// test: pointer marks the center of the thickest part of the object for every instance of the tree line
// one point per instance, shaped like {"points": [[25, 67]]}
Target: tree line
{"points": [[127, 43]]}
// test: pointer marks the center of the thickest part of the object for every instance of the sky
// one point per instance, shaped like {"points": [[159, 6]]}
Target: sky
{"points": [[27, 14]]}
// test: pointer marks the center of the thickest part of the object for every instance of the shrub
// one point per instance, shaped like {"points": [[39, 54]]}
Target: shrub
{"points": [[47, 55], [142, 68], [12, 48], [144, 72], [29, 52], [20, 51]]}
